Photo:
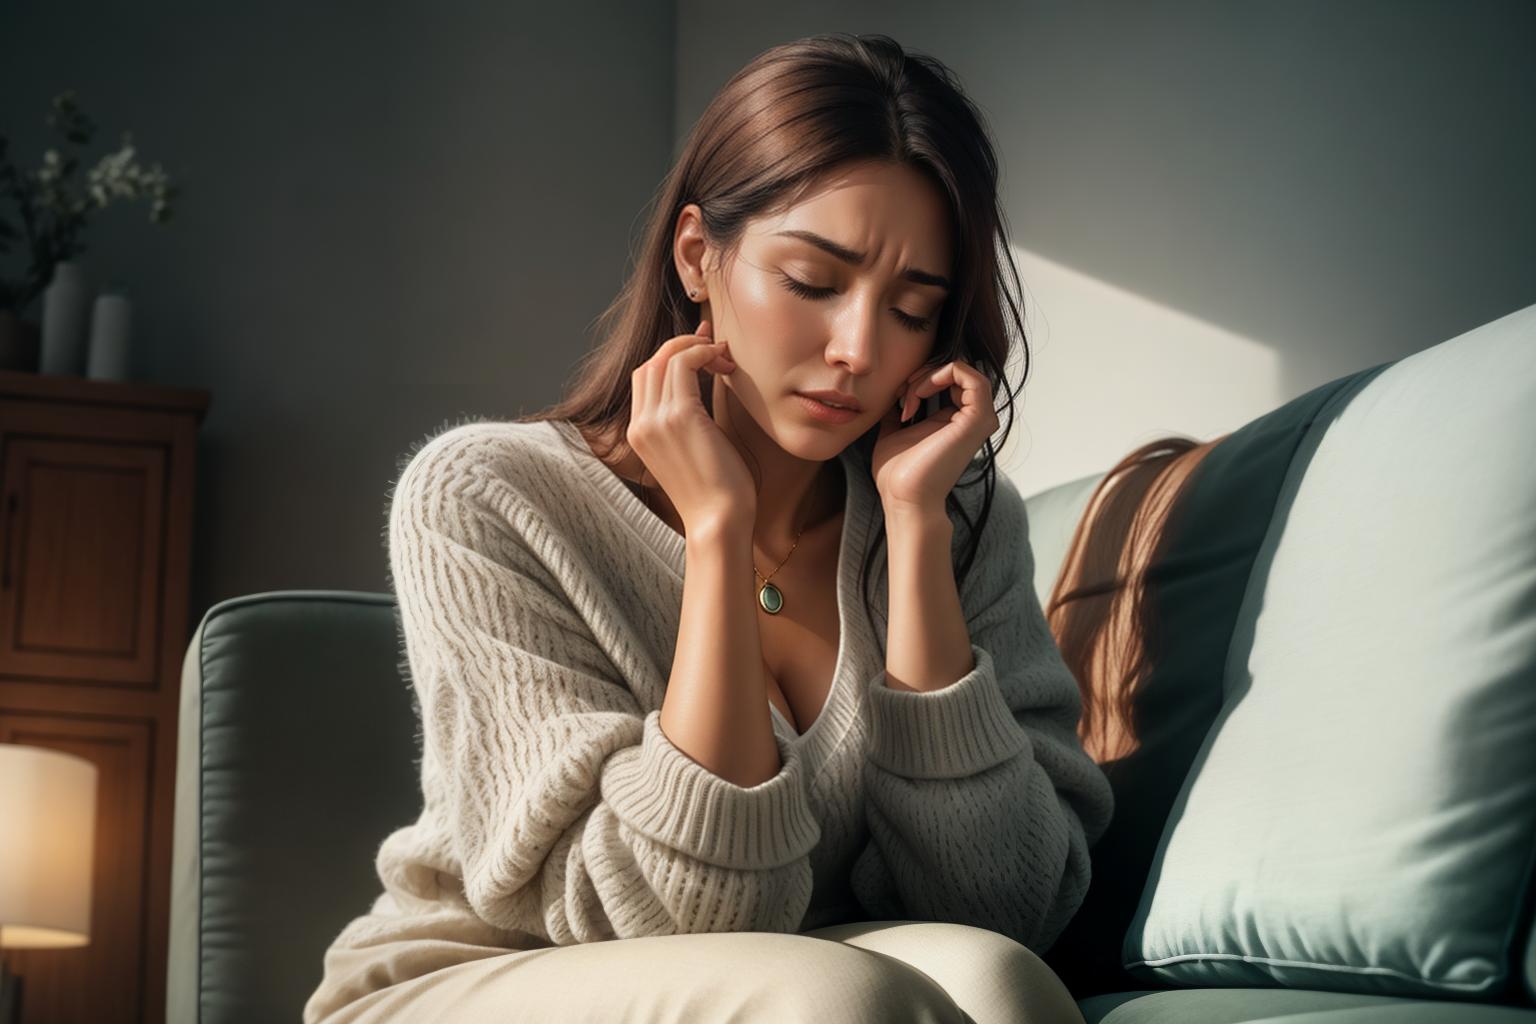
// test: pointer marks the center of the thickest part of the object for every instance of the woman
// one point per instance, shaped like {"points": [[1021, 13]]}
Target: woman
{"points": [[653, 793]]}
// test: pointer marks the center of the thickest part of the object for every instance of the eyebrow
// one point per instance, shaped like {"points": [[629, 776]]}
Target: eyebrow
{"points": [[848, 255]]}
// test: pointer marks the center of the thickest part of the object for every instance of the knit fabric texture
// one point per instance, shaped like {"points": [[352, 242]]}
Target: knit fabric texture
{"points": [[539, 602]]}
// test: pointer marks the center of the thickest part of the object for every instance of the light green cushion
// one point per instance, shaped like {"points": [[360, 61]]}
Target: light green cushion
{"points": [[1192, 594], [1362, 814], [1287, 1006]]}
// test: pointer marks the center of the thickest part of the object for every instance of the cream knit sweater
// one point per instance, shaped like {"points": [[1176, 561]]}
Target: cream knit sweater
{"points": [[539, 602]]}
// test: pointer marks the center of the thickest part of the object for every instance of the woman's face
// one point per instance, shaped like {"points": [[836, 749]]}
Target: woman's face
{"points": [[799, 318]]}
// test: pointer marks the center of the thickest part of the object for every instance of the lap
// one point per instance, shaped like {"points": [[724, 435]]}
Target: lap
{"points": [[885, 971], [989, 976]]}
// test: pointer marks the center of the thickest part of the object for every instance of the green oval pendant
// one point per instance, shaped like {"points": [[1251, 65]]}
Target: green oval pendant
{"points": [[770, 598]]}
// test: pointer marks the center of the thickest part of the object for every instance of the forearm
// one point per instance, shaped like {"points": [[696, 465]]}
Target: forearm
{"points": [[716, 706], [929, 645]]}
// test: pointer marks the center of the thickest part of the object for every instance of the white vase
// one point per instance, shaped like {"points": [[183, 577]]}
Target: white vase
{"points": [[64, 321], [111, 324]]}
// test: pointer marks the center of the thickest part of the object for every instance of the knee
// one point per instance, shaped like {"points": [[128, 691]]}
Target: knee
{"points": [[994, 977], [844, 983], [992, 955], [988, 975]]}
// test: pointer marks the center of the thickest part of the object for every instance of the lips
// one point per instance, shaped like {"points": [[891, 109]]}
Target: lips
{"points": [[825, 413], [835, 399]]}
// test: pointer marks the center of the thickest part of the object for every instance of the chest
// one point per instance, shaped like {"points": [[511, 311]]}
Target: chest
{"points": [[800, 643]]}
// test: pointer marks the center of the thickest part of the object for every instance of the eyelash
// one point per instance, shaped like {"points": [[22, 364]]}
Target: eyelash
{"points": [[805, 291]]}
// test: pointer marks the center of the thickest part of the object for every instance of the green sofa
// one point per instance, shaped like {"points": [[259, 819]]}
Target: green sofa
{"points": [[1330, 818]]}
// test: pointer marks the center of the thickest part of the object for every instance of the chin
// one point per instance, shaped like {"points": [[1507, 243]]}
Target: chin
{"points": [[817, 442]]}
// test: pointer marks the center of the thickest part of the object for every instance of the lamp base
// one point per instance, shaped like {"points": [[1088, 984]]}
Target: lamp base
{"points": [[10, 996]]}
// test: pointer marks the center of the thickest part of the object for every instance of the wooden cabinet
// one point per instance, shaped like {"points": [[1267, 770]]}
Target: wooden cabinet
{"points": [[96, 525]]}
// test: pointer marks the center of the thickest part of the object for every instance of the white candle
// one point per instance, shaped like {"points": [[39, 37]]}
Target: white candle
{"points": [[111, 323]]}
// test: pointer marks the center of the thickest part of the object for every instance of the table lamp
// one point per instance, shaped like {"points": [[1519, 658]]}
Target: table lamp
{"points": [[47, 845]]}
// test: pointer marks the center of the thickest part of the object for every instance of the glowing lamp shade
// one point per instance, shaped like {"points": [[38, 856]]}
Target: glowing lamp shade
{"points": [[47, 842]]}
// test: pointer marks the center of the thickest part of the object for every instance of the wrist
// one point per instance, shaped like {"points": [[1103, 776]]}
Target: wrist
{"points": [[925, 522], [714, 531]]}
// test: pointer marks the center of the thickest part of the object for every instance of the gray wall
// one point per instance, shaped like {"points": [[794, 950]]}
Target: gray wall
{"points": [[1227, 202], [400, 220], [394, 217]]}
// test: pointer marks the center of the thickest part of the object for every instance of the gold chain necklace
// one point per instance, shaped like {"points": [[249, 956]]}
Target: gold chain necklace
{"points": [[770, 596]]}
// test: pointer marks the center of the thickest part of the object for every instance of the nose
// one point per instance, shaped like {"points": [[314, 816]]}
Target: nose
{"points": [[853, 344]]}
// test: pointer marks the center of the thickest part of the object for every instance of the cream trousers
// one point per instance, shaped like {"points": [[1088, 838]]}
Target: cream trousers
{"points": [[876, 972]]}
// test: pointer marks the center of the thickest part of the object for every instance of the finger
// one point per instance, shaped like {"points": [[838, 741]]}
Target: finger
{"points": [[712, 356], [687, 342], [970, 386], [653, 370], [939, 377], [669, 348], [681, 380], [645, 391], [925, 386], [967, 385], [943, 416]]}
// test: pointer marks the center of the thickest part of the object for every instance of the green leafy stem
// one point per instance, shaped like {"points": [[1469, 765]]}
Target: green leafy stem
{"points": [[51, 212]]}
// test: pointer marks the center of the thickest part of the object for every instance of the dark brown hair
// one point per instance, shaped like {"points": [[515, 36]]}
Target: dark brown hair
{"points": [[1098, 609], [781, 125], [792, 117]]}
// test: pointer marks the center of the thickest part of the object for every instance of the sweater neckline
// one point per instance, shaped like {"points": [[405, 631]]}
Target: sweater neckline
{"points": [[671, 547]]}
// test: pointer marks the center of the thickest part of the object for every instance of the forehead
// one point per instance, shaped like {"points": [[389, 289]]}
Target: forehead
{"points": [[888, 209]]}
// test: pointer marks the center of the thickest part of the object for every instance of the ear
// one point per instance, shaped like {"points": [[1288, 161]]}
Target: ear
{"points": [[690, 250]]}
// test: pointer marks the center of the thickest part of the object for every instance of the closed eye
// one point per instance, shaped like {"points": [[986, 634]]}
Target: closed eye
{"points": [[805, 291]]}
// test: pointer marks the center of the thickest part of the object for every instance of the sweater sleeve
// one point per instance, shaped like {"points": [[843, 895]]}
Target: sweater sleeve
{"points": [[571, 814], [981, 801]]}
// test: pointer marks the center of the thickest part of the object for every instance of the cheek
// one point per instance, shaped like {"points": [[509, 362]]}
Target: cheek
{"points": [[768, 314], [772, 330]]}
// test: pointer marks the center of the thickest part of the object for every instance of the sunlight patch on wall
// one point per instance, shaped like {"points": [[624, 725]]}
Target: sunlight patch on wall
{"points": [[1111, 370]]}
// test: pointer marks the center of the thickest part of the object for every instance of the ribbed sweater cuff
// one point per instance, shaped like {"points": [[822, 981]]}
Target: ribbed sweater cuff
{"points": [[668, 796], [949, 733]]}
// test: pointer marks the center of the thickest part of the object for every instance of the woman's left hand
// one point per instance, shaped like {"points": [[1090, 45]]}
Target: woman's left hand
{"points": [[917, 465]]}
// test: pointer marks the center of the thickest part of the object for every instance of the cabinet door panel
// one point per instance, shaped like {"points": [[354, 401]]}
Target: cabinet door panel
{"points": [[83, 564]]}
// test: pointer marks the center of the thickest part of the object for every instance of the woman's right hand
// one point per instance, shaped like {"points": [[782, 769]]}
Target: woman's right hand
{"points": [[697, 466]]}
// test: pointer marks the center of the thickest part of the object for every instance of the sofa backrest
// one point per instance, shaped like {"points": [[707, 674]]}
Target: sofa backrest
{"points": [[1195, 592], [1336, 783], [296, 756]]}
